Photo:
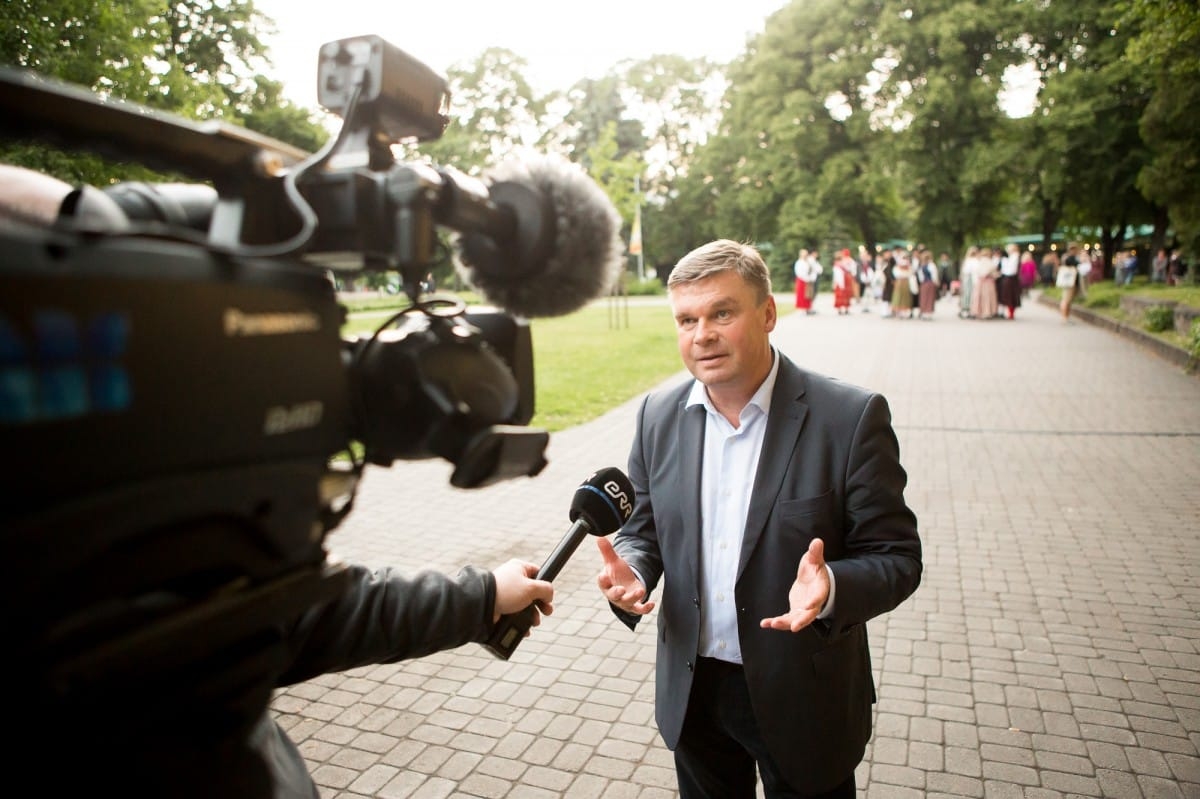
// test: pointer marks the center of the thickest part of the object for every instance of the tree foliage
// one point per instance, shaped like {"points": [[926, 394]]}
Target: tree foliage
{"points": [[844, 122], [199, 59], [1165, 45]]}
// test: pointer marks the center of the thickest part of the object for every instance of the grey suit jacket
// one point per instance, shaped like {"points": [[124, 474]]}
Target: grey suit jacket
{"points": [[830, 468]]}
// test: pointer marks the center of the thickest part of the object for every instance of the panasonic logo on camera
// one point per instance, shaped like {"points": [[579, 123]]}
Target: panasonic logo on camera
{"points": [[240, 323], [288, 419]]}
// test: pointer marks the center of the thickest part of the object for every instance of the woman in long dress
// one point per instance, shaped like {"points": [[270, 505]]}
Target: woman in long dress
{"points": [[928, 284], [984, 303], [844, 282], [901, 289], [1008, 284], [807, 269], [966, 281]]}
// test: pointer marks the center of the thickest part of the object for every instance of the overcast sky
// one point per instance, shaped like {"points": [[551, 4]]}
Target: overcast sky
{"points": [[562, 41]]}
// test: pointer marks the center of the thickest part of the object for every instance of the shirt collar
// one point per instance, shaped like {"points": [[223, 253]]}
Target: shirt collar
{"points": [[761, 398]]}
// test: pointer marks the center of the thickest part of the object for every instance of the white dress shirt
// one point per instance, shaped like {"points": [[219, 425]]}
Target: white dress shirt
{"points": [[730, 461], [728, 464]]}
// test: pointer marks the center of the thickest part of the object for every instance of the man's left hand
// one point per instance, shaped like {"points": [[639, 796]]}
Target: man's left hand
{"points": [[808, 594]]}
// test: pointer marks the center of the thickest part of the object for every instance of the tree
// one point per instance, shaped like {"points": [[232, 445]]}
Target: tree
{"points": [[945, 78], [198, 59], [493, 109], [798, 157], [1165, 45], [657, 111], [1089, 105]]}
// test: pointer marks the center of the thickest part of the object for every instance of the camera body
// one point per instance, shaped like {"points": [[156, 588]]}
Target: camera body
{"points": [[182, 419]]}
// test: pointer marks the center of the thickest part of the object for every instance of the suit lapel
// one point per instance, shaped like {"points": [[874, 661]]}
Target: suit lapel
{"points": [[691, 451], [782, 437]]}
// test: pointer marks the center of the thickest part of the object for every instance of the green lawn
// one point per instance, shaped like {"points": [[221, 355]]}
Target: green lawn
{"points": [[595, 359]]}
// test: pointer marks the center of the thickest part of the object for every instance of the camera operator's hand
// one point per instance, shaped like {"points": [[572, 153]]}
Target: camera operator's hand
{"points": [[516, 589]]}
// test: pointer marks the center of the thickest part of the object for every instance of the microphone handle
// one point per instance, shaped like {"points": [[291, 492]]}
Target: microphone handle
{"points": [[566, 547], [512, 627]]}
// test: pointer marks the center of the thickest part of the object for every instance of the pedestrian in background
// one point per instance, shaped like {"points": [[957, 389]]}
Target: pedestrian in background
{"points": [[1008, 282], [808, 270], [928, 285], [984, 304], [845, 284], [1027, 272], [903, 288], [966, 286], [1067, 280]]}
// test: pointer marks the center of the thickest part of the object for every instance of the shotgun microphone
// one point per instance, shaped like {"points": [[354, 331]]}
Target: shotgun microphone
{"points": [[601, 505]]}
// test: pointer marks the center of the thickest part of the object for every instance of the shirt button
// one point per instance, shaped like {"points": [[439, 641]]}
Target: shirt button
{"points": [[721, 645]]}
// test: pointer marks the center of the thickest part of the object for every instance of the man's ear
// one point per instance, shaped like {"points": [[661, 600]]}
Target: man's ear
{"points": [[772, 313]]}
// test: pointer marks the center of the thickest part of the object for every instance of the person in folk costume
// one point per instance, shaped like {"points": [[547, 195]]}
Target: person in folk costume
{"points": [[844, 282], [966, 276], [984, 304], [889, 280], [1027, 272], [902, 293], [1008, 284], [866, 279], [807, 269], [928, 285]]}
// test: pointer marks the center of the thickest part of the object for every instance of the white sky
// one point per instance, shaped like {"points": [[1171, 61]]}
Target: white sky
{"points": [[562, 42]]}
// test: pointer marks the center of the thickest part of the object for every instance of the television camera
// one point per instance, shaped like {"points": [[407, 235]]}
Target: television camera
{"points": [[183, 421]]}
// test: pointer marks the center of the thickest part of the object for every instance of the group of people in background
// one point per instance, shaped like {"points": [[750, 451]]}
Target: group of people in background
{"points": [[989, 283], [907, 284]]}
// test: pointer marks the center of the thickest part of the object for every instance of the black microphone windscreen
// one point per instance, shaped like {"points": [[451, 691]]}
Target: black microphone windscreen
{"points": [[604, 500], [585, 257]]}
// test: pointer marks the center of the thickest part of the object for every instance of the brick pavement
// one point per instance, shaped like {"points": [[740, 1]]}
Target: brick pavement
{"points": [[1052, 650]]}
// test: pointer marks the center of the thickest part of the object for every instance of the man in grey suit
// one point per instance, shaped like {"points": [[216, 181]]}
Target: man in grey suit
{"points": [[770, 507]]}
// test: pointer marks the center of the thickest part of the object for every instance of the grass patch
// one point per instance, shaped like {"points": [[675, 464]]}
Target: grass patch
{"points": [[590, 361]]}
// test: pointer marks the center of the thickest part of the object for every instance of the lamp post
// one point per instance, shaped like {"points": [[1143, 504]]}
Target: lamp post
{"points": [[635, 233]]}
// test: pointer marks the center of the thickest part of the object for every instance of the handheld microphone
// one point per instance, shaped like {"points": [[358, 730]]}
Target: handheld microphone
{"points": [[560, 247], [601, 505]]}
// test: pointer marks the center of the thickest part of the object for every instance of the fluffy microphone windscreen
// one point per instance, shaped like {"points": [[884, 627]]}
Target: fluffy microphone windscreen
{"points": [[585, 253]]}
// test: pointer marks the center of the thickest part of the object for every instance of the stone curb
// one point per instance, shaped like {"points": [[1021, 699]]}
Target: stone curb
{"points": [[1176, 355]]}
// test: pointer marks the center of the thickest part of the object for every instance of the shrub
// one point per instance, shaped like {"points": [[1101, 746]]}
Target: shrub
{"points": [[1158, 318], [1193, 342], [647, 287]]}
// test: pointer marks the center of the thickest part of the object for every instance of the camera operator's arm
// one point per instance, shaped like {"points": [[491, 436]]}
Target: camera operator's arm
{"points": [[384, 616]]}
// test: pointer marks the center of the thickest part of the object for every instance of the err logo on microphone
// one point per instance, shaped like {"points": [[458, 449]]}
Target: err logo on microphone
{"points": [[621, 497]]}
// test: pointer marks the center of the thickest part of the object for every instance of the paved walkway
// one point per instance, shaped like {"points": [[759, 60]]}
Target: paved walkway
{"points": [[1052, 650]]}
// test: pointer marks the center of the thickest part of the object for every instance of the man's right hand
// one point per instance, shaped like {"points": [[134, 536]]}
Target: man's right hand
{"points": [[619, 583]]}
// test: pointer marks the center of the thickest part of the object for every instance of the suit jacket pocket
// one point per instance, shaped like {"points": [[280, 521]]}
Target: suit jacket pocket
{"points": [[807, 506], [808, 518]]}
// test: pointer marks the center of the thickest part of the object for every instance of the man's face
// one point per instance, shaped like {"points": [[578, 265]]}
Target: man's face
{"points": [[723, 332]]}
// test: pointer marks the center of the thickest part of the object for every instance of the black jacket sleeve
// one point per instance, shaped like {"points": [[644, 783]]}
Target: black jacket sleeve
{"points": [[383, 617]]}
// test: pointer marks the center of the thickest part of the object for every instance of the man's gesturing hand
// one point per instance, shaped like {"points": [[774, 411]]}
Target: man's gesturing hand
{"points": [[619, 583], [808, 594]]}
